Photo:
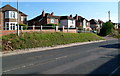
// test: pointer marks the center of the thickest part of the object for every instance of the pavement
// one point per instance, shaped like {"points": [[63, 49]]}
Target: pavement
{"points": [[88, 59]]}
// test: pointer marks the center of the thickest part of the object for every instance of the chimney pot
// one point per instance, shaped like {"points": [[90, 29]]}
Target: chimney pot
{"points": [[70, 15], [43, 13], [52, 13]]}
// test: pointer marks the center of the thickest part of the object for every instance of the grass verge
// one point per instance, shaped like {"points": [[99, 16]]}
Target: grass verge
{"points": [[41, 39], [117, 36]]}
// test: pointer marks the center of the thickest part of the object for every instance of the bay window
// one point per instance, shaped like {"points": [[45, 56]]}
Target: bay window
{"points": [[11, 14]]}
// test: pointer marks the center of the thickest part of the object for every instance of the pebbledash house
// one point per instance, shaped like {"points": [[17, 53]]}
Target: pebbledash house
{"points": [[9, 18]]}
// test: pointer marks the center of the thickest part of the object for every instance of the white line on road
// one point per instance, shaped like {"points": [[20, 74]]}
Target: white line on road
{"points": [[114, 71], [61, 57], [24, 66]]}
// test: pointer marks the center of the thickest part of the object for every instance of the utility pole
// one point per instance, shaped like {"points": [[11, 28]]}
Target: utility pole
{"points": [[18, 32]]}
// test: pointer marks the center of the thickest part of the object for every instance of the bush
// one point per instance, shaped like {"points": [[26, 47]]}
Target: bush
{"points": [[80, 28], [106, 29], [50, 26], [24, 26]]}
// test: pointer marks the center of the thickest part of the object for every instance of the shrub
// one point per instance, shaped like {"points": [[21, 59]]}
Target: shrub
{"points": [[50, 26], [106, 29], [80, 28], [24, 26]]}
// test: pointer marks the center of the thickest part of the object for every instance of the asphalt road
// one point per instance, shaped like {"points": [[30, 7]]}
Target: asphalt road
{"points": [[89, 59]]}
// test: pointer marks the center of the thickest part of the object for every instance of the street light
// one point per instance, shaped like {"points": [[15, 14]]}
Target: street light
{"points": [[18, 32]]}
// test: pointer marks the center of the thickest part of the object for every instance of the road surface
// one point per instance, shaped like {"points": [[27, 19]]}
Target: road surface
{"points": [[88, 59]]}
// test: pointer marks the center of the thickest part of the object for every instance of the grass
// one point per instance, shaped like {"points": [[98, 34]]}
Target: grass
{"points": [[41, 39], [117, 36]]}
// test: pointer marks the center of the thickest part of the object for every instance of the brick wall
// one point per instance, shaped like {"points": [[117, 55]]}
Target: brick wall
{"points": [[1, 20], [6, 32]]}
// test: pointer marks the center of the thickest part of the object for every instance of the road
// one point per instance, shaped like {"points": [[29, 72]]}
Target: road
{"points": [[88, 59]]}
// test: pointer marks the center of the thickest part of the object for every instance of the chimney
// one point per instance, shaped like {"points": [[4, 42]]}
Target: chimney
{"points": [[43, 13], [70, 15], [52, 13], [76, 17]]}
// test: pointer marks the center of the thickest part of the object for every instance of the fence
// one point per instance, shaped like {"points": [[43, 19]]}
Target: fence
{"points": [[38, 29]]}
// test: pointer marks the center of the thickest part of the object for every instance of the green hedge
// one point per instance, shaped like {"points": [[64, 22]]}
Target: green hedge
{"points": [[24, 26]]}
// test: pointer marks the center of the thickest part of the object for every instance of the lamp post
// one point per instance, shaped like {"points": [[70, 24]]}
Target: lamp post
{"points": [[18, 32], [109, 15]]}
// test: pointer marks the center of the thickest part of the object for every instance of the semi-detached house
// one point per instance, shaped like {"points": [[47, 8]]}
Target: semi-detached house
{"points": [[47, 18], [67, 21], [9, 19], [43, 19]]}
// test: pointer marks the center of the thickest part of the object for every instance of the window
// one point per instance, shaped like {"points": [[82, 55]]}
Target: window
{"points": [[7, 26], [52, 20], [12, 14], [72, 22], [22, 18], [7, 14]]}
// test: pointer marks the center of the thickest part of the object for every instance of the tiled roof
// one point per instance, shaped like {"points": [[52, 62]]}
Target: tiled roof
{"points": [[47, 15], [93, 21], [66, 17], [100, 21], [10, 8]]}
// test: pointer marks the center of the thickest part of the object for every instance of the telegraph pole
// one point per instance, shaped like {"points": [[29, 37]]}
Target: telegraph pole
{"points": [[18, 32]]}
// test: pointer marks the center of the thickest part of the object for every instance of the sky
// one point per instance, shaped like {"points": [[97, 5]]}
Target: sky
{"points": [[88, 10]]}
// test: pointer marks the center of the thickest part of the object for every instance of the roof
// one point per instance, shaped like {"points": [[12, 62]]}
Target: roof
{"points": [[66, 17], [80, 18], [46, 15], [36, 18], [100, 21], [10, 8], [93, 21]]}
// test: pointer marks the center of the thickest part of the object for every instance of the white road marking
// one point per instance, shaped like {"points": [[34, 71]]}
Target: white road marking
{"points": [[61, 57], [24, 66], [114, 71]]}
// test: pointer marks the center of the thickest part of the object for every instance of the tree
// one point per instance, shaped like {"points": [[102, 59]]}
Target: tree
{"points": [[106, 29]]}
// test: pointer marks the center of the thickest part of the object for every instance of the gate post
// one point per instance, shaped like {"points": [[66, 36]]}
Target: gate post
{"points": [[56, 29], [63, 28]]}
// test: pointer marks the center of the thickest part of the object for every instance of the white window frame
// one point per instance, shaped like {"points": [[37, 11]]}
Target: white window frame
{"points": [[22, 18], [10, 27], [52, 20], [6, 14], [11, 14]]}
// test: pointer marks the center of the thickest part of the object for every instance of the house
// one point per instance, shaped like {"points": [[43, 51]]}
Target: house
{"points": [[82, 22], [95, 26], [9, 19], [43, 19], [100, 23], [67, 21], [116, 25]]}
